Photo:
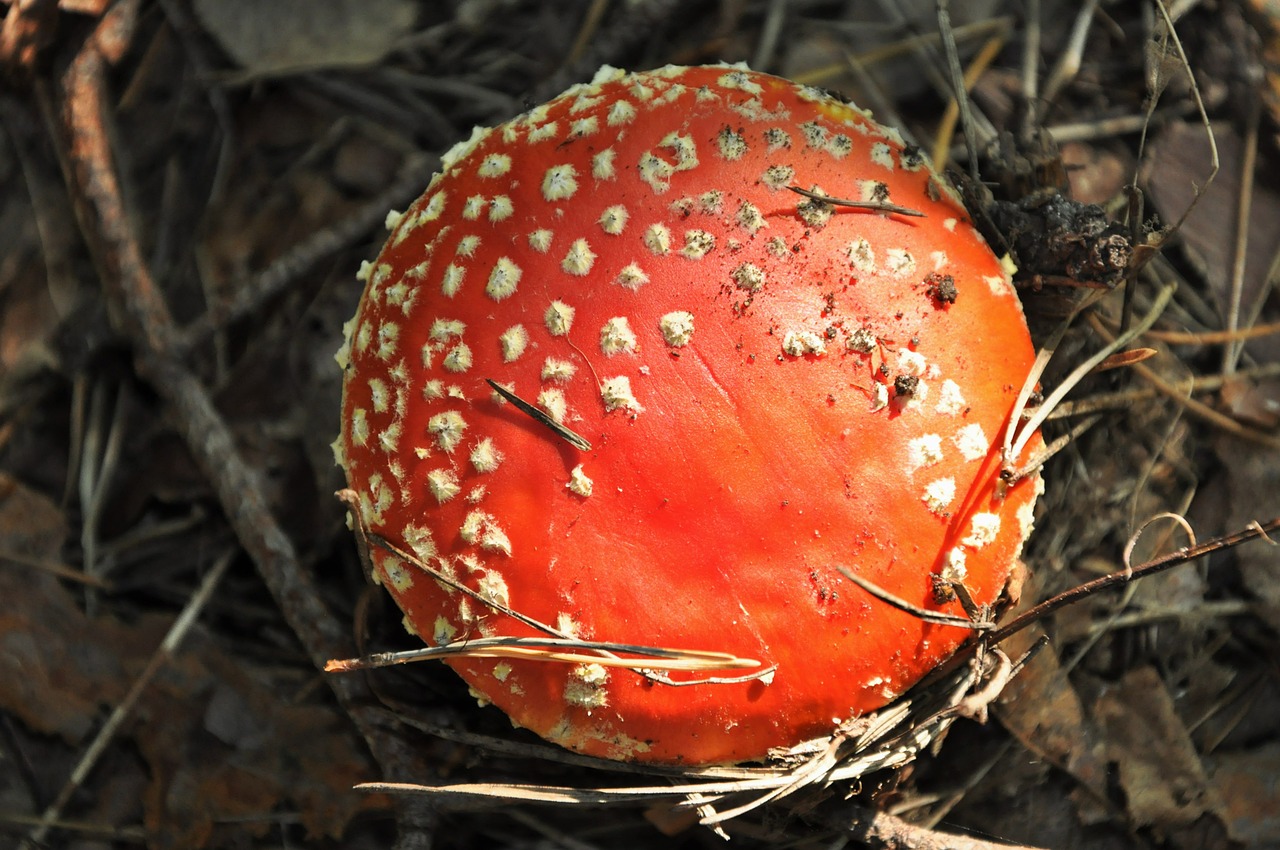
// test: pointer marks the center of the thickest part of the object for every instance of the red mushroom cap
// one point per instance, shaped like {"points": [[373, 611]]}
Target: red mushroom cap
{"points": [[773, 388]]}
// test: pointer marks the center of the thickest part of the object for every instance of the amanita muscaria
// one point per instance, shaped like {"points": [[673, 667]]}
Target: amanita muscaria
{"points": [[773, 388]]}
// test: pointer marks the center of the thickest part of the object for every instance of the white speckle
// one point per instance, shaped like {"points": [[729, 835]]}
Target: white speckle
{"points": [[950, 400], [552, 401], [443, 484], [749, 276], [998, 284], [879, 397], [447, 428], [513, 342], [400, 578], [557, 371], [953, 568], [749, 217], [656, 172], [500, 209], [732, 144], [558, 318], [657, 238], [388, 336], [839, 146], [492, 587], [861, 255], [613, 220], [939, 259], [983, 530], [584, 127], [923, 451], [463, 148], [560, 182], [393, 219], [501, 671], [677, 328], [433, 209], [777, 139], [497, 397], [873, 191], [467, 246], [950, 225], [588, 100], [540, 241], [458, 359], [418, 538], [443, 632], [380, 395], [685, 151], [451, 282], [503, 279], [711, 203], [697, 244], [494, 165], [900, 262], [433, 390], [473, 208], [972, 442], [485, 457], [585, 687], [621, 112], [939, 494], [800, 343], [616, 393], [631, 277], [580, 258], [602, 167], [911, 362], [443, 330], [815, 135], [366, 269], [359, 426], [580, 485], [740, 80], [616, 337], [778, 177], [544, 132], [882, 155], [813, 211], [364, 336]]}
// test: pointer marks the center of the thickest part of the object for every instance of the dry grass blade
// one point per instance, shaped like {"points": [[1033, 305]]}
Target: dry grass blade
{"points": [[1016, 439], [653, 672], [888, 738], [554, 649]]}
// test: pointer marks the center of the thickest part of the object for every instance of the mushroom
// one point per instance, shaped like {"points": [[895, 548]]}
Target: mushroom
{"points": [[739, 391]]}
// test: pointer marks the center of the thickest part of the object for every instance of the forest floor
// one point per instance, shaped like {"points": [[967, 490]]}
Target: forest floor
{"points": [[188, 189]]}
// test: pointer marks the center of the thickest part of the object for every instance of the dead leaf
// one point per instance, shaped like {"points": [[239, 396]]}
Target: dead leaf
{"points": [[221, 744], [1178, 163], [1248, 783], [289, 36], [1041, 709], [1160, 773]]}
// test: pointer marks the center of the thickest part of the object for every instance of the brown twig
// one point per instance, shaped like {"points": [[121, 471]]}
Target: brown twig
{"points": [[882, 831], [1129, 574], [146, 320]]}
